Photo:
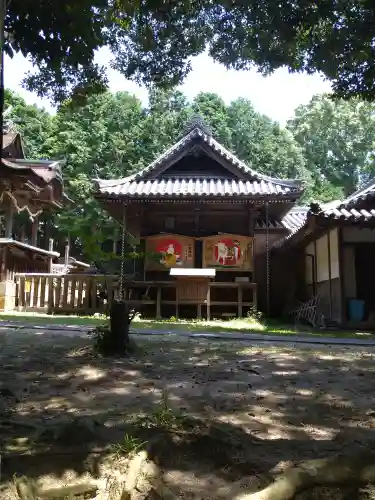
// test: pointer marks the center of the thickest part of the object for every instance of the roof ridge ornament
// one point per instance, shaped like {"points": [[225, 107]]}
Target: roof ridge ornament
{"points": [[197, 121]]}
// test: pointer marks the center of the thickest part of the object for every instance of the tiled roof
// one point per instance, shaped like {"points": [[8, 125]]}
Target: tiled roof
{"points": [[295, 218], [182, 187], [365, 193], [342, 213], [149, 181], [47, 170], [350, 208], [43, 177], [216, 146]]}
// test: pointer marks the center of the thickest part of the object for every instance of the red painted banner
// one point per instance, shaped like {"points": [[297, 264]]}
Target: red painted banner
{"points": [[170, 251], [227, 252]]}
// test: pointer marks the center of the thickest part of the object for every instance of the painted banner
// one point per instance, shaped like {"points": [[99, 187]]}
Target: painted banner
{"points": [[166, 251], [228, 252]]}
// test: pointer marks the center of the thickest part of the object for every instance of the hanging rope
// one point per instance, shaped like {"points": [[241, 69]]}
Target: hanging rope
{"points": [[121, 292], [267, 261]]}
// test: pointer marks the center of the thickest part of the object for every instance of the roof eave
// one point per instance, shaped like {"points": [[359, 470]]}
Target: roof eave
{"points": [[293, 196]]}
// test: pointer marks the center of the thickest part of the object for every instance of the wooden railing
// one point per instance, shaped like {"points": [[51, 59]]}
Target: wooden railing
{"points": [[70, 293], [89, 294]]}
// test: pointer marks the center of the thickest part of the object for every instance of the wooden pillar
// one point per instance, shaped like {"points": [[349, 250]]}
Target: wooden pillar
{"points": [[158, 302], [315, 268], [9, 216], [239, 300], [67, 251], [329, 272], [50, 279], [209, 303], [34, 232], [340, 243]]}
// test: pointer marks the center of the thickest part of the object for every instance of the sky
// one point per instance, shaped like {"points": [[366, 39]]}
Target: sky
{"points": [[276, 95]]}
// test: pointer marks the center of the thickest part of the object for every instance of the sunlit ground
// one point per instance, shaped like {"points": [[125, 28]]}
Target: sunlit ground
{"points": [[287, 404]]}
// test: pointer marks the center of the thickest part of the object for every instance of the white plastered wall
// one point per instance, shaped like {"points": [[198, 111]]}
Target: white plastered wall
{"points": [[326, 252]]}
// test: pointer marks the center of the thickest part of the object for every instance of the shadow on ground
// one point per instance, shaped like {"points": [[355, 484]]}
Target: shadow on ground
{"points": [[259, 409]]}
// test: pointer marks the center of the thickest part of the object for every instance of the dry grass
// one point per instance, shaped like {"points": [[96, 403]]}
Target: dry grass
{"points": [[279, 404]]}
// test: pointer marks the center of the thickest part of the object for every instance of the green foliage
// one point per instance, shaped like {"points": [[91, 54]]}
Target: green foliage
{"points": [[35, 125], [129, 444], [254, 315], [153, 41], [337, 138]]}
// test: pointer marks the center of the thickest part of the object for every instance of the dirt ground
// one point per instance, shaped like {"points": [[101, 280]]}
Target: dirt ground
{"points": [[272, 407]]}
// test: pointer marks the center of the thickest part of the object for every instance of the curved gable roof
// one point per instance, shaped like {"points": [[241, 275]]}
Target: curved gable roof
{"points": [[150, 182]]}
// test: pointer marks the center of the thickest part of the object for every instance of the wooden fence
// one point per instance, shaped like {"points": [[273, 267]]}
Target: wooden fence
{"points": [[84, 294], [71, 293]]}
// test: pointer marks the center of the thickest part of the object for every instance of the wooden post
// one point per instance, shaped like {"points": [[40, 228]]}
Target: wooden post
{"points": [[239, 298], [177, 301], [199, 311], [34, 232], [255, 297], [209, 302], [158, 302], [50, 279], [9, 213], [340, 242], [67, 251], [329, 271]]}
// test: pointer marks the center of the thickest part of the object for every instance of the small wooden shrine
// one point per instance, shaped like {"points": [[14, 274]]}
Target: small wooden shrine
{"points": [[31, 187], [203, 222]]}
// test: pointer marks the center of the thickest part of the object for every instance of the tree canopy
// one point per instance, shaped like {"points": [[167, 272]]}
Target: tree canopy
{"points": [[338, 141], [152, 41]]}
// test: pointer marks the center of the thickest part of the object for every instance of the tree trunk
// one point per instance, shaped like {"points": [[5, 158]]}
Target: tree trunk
{"points": [[119, 321]]}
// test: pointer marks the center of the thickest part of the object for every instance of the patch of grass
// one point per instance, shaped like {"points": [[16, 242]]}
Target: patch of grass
{"points": [[129, 444], [46, 319], [254, 325], [242, 325]]}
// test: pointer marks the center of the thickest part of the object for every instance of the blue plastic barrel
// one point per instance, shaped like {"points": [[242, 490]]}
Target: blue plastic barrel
{"points": [[356, 310]]}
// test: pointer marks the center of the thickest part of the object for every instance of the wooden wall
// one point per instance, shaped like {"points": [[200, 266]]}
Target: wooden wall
{"points": [[187, 219]]}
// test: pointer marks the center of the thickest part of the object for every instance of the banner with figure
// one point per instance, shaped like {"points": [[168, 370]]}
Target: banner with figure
{"points": [[228, 251], [169, 250]]}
